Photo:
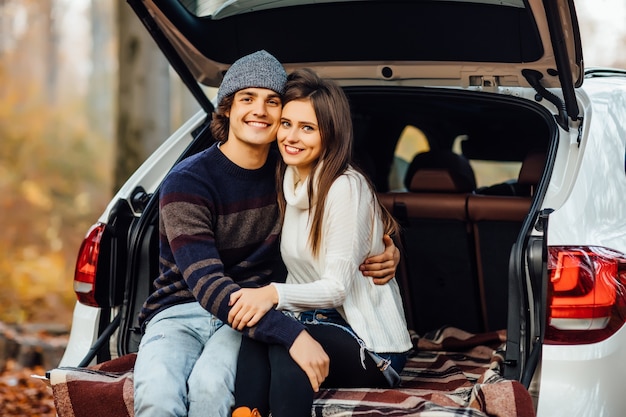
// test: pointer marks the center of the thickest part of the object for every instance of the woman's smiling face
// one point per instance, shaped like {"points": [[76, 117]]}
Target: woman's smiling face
{"points": [[299, 138]]}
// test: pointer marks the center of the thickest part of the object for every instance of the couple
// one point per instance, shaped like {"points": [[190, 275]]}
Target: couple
{"points": [[220, 228]]}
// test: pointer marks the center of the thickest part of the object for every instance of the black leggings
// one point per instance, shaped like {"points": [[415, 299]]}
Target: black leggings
{"points": [[268, 379]]}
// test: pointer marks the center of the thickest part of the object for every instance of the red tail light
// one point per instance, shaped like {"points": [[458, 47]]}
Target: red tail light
{"points": [[86, 266], [586, 294]]}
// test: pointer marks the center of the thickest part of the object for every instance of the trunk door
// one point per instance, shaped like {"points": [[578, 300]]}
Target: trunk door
{"points": [[455, 43]]}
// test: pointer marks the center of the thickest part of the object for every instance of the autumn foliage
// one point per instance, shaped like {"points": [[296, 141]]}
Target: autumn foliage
{"points": [[22, 395], [54, 182]]}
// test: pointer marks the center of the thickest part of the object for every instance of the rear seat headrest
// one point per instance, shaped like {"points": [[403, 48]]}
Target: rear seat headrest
{"points": [[440, 172], [532, 168]]}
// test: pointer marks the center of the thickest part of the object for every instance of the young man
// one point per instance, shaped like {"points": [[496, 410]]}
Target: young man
{"points": [[219, 229]]}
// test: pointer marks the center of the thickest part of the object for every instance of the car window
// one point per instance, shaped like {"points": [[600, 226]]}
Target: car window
{"points": [[412, 141], [489, 172]]}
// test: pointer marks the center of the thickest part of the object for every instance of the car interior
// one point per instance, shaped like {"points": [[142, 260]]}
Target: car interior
{"points": [[423, 151]]}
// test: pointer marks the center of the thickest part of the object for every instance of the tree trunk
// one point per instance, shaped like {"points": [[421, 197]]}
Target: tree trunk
{"points": [[102, 81], [143, 113], [52, 46]]}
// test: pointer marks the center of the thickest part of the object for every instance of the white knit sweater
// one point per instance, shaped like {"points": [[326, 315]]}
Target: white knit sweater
{"points": [[352, 231]]}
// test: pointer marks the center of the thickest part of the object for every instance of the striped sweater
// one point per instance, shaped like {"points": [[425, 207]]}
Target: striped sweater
{"points": [[219, 230]]}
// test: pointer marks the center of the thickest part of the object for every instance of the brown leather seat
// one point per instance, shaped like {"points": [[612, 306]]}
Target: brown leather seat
{"points": [[496, 222], [442, 284]]}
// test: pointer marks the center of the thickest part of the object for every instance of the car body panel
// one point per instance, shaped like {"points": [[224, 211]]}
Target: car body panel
{"points": [[83, 334], [575, 191], [589, 210], [583, 380]]}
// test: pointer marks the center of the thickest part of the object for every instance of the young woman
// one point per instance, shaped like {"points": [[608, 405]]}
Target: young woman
{"points": [[332, 220]]}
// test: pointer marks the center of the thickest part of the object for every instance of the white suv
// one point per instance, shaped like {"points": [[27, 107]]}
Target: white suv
{"points": [[539, 251]]}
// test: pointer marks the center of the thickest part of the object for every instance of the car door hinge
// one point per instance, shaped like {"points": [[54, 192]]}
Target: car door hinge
{"points": [[533, 77]]}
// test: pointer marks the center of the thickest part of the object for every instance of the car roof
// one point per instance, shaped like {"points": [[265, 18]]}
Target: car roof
{"points": [[460, 43]]}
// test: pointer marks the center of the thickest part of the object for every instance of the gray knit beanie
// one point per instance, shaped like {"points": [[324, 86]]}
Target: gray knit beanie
{"points": [[257, 70]]}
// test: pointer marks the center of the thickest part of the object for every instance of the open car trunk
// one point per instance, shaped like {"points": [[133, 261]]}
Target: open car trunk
{"points": [[473, 259], [473, 84], [513, 48]]}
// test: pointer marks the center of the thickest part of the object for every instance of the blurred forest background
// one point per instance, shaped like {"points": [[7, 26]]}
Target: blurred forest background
{"points": [[85, 96]]}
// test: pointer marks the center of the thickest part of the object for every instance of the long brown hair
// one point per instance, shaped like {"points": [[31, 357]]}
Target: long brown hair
{"points": [[335, 123]]}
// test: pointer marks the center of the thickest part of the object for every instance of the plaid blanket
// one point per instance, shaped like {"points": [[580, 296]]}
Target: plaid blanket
{"points": [[452, 373]]}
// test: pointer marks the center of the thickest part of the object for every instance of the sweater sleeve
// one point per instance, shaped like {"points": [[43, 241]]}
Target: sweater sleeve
{"points": [[347, 240]]}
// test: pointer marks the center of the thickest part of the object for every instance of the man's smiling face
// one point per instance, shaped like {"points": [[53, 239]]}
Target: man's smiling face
{"points": [[254, 116]]}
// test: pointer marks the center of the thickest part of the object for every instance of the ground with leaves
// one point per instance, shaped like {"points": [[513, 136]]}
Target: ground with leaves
{"points": [[27, 350], [23, 395]]}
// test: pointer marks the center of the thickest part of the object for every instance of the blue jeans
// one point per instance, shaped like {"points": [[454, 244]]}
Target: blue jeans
{"points": [[186, 364], [331, 315]]}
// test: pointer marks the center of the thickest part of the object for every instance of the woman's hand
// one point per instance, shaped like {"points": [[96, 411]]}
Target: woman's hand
{"points": [[249, 305], [382, 268], [311, 357]]}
